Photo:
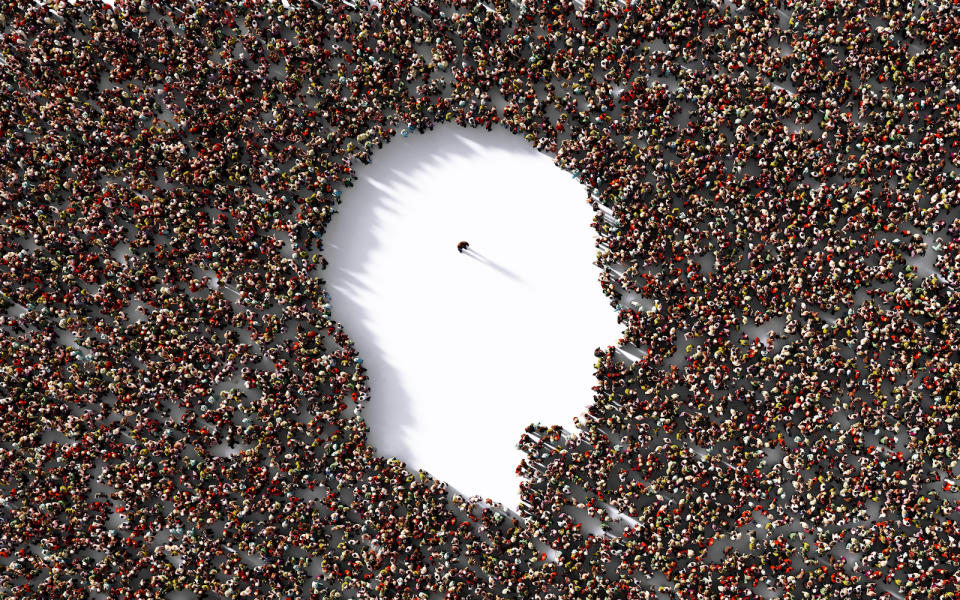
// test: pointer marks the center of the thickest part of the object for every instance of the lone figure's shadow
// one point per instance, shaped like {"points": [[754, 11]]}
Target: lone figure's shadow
{"points": [[489, 263]]}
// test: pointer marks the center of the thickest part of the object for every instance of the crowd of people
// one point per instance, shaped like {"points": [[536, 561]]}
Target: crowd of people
{"points": [[182, 414]]}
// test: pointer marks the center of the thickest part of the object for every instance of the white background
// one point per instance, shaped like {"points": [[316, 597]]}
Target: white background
{"points": [[465, 350]]}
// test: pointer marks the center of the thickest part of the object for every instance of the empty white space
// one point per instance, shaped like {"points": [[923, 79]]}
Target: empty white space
{"points": [[465, 350]]}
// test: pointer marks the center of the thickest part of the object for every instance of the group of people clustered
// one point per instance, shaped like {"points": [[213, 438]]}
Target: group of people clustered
{"points": [[180, 413]]}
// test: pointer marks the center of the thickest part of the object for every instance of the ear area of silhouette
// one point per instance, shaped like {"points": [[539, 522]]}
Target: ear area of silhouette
{"points": [[465, 349]]}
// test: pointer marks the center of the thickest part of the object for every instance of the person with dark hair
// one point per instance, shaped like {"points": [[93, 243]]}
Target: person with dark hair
{"points": [[462, 246]]}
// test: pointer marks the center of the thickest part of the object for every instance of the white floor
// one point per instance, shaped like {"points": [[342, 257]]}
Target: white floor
{"points": [[465, 350]]}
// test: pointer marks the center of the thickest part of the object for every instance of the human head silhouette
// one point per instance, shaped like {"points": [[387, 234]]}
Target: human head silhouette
{"points": [[464, 350]]}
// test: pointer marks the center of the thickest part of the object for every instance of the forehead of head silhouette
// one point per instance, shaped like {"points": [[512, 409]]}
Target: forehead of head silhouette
{"points": [[465, 349]]}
